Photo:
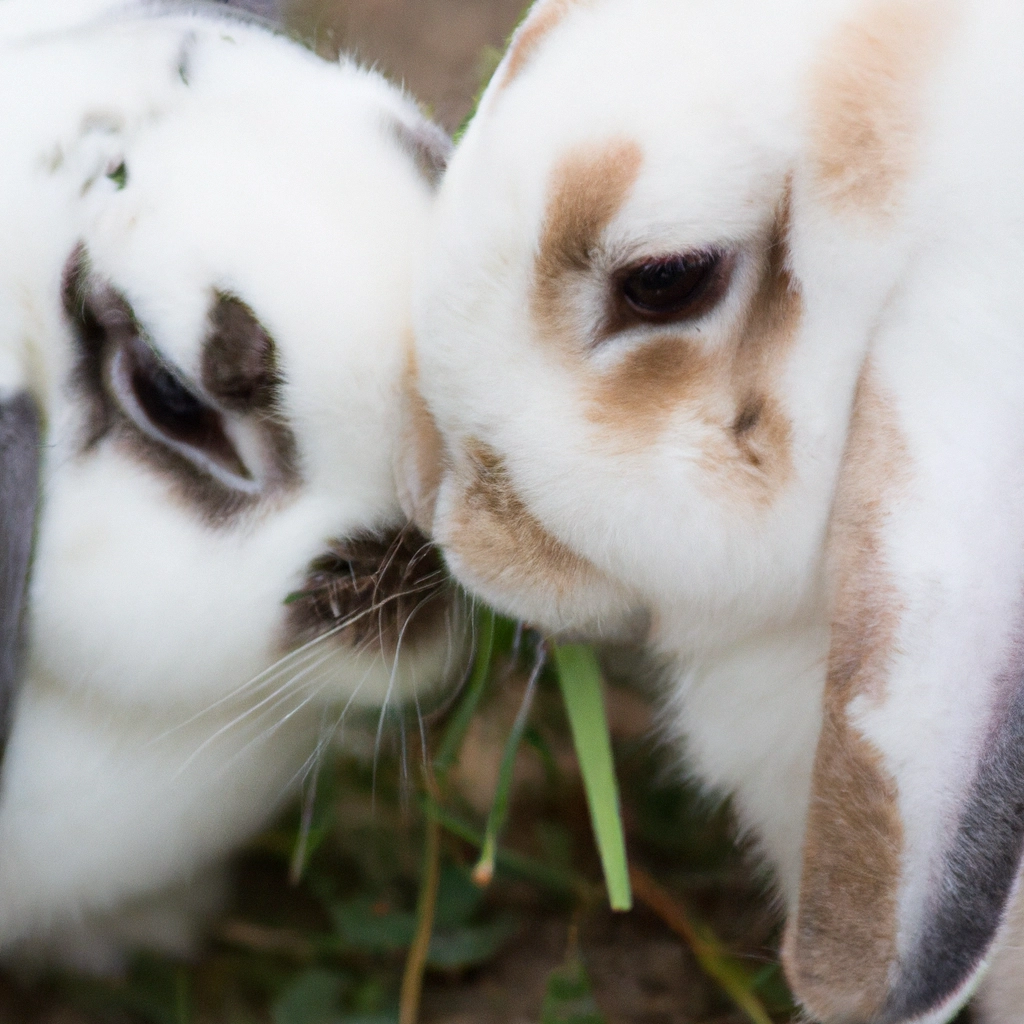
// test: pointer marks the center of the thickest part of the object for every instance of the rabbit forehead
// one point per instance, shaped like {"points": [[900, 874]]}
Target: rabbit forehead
{"points": [[316, 234], [334, 203]]}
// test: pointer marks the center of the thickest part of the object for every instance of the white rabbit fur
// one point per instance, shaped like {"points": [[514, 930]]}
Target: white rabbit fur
{"points": [[843, 178], [167, 163]]}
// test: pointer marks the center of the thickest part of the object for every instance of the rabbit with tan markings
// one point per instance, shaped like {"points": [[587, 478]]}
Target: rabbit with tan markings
{"points": [[208, 235], [721, 330]]}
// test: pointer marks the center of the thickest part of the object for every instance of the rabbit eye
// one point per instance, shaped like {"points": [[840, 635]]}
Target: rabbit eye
{"points": [[165, 409], [671, 288]]}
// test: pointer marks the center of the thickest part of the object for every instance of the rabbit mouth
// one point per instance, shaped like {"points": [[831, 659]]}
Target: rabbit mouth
{"points": [[372, 592]]}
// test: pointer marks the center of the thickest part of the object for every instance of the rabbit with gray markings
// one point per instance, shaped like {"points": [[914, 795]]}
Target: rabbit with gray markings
{"points": [[208, 235], [721, 332]]}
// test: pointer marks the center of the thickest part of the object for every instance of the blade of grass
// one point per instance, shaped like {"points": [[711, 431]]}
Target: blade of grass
{"points": [[458, 726], [528, 868], [579, 676], [426, 910], [483, 873], [714, 959]]}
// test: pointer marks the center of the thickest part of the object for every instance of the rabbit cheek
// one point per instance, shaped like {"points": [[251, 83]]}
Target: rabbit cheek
{"points": [[850, 779], [869, 101]]}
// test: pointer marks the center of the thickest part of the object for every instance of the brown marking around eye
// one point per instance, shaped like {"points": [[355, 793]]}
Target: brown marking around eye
{"points": [[543, 18], [868, 99], [842, 941], [728, 392], [502, 541], [588, 189], [98, 315], [103, 322], [240, 371], [239, 361]]}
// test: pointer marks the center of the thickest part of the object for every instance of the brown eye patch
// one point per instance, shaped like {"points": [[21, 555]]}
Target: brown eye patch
{"points": [[240, 370], [139, 402], [239, 362]]}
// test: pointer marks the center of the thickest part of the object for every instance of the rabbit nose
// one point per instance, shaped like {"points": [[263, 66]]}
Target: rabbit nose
{"points": [[419, 463], [380, 589]]}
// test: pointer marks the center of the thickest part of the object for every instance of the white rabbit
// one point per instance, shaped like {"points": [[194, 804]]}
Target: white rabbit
{"points": [[721, 328], [207, 242]]}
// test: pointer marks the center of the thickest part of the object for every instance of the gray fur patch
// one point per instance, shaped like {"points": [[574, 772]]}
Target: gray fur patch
{"points": [[978, 871], [19, 486], [428, 145]]}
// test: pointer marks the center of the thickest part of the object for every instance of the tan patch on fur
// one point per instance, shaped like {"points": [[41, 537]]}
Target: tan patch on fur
{"points": [[542, 19], [421, 453], [868, 102], [501, 541], [588, 188], [746, 434], [842, 943]]}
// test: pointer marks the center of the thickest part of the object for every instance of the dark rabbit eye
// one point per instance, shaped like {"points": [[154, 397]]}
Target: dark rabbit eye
{"points": [[165, 409], [681, 287]]}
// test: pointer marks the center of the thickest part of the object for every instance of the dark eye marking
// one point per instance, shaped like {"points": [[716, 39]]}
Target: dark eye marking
{"points": [[239, 360], [240, 371], [143, 404], [163, 407], [669, 289]]}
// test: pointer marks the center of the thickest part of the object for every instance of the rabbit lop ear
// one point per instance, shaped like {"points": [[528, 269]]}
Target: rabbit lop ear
{"points": [[916, 818], [19, 488]]}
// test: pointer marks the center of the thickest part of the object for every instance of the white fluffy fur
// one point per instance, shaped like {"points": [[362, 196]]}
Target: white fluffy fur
{"points": [[151, 735], [717, 97]]}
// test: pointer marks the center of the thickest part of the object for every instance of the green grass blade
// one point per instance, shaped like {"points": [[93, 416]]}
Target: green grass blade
{"points": [[579, 676], [457, 728], [483, 874]]}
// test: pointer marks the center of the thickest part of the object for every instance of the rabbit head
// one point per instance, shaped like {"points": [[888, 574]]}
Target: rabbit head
{"points": [[721, 322], [209, 234]]}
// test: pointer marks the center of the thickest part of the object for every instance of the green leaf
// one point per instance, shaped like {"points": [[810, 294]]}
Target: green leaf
{"points": [[312, 998], [458, 899], [119, 175], [579, 676], [469, 946], [363, 924], [568, 998]]}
